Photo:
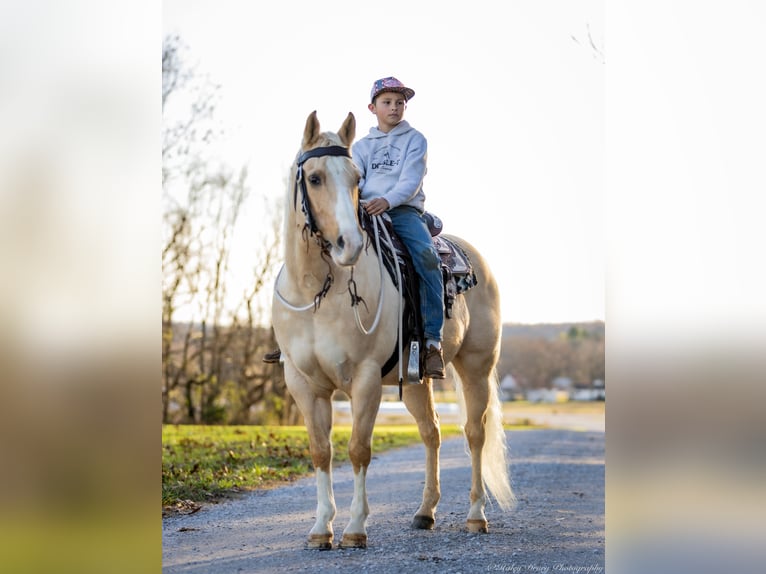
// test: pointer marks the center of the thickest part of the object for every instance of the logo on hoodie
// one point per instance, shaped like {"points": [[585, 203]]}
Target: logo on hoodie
{"points": [[386, 159]]}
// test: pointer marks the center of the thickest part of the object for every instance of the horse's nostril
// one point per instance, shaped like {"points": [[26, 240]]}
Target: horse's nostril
{"points": [[341, 242]]}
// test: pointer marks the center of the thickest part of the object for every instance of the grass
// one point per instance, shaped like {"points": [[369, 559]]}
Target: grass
{"points": [[568, 406], [208, 463], [523, 412], [571, 407]]}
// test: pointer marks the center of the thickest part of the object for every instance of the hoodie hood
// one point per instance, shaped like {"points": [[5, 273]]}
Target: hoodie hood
{"points": [[401, 128]]}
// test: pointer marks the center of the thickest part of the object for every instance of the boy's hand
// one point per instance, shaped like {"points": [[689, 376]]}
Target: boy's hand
{"points": [[377, 206]]}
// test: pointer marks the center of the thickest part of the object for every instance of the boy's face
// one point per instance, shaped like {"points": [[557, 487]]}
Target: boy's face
{"points": [[389, 109]]}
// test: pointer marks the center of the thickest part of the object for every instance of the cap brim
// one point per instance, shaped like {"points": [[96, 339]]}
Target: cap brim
{"points": [[408, 93]]}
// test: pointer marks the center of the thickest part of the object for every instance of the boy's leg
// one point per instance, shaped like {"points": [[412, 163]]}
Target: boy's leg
{"points": [[413, 231], [273, 357]]}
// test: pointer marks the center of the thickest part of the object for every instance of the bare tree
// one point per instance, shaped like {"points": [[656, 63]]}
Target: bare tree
{"points": [[204, 361], [536, 360], [181, 252]]}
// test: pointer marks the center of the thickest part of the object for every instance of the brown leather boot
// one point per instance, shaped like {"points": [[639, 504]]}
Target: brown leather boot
{"points": [[434, 363], [272, 357]]}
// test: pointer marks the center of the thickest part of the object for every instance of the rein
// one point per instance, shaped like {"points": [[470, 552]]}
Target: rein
{"points": [[352, 290]]}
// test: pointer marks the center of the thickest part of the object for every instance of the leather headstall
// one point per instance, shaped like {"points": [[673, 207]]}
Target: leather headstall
{"points": [[334, 150]]}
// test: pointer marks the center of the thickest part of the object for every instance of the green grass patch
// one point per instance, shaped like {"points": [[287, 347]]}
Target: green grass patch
{"points": [[207, 463], [571, 407]]}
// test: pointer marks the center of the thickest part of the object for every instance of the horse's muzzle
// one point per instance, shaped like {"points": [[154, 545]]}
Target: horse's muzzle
{"points": [[346, 249]]}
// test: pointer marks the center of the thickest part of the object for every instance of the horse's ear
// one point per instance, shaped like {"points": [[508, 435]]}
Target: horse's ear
{"points": [[311, 132], [348, 130]]}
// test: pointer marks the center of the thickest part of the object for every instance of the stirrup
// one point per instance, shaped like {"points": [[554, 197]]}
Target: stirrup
{"points": [[413, 365]]}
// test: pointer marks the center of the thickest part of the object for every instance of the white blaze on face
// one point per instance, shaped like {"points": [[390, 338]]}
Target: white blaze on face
{"points": [[348, 245]]}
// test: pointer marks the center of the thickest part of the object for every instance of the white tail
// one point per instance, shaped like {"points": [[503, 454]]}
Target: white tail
{"points": [[494, 459]]}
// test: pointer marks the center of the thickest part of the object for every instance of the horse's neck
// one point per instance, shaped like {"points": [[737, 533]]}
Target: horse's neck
{"points": [[303, 257]]}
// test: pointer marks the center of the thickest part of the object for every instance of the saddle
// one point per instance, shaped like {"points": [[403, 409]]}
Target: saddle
{"points": [[457, 274]]}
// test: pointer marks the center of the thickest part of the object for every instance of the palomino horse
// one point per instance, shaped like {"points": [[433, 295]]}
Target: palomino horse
{"points": [[326, 348]]}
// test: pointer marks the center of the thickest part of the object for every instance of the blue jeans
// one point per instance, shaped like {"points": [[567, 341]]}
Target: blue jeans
{"points": [[410, 226]]}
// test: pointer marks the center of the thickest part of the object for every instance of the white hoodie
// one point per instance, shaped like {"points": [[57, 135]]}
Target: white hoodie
{"points": [[393, 165]]}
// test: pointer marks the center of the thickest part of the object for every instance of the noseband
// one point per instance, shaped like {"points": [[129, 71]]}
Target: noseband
{"points": [[333, 150]]}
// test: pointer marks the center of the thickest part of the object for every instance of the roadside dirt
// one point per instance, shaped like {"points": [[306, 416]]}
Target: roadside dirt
{"points": [[557, 525]]}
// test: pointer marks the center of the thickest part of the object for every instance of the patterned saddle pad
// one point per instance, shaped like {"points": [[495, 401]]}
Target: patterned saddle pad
{"points": [[457, 271]]}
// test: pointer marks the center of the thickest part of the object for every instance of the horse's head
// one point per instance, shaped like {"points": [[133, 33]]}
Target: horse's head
{"points": [[328, 182]]}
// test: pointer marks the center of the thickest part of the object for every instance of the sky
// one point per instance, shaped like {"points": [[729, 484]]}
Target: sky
{"points": [[510, 97]]}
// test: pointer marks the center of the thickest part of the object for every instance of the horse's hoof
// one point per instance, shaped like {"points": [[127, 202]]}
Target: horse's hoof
{"points": [[353, 541], [477, 525], [423, 522], [320, 542]]}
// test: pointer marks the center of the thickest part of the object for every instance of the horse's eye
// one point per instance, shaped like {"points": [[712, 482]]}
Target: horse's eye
{"points": [[315, 179]]}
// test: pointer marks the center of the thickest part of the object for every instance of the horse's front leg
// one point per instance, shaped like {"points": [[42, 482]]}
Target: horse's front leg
{"points": [[419, 400], [317, 413], [365, 402]]}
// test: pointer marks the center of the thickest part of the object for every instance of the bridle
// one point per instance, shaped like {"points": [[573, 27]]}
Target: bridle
{"points": [[333, 150], [310, 226]]}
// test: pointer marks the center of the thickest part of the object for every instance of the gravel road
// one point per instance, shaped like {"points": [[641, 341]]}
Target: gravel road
{"points": [[557, 525]]}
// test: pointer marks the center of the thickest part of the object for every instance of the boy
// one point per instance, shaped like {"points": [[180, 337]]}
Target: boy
{"points": [[392, 161]]}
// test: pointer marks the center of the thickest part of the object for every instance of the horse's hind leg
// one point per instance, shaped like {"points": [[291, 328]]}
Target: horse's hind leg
{"points": [[365, 402], [476, 392], [419, 400], [317, 413]]}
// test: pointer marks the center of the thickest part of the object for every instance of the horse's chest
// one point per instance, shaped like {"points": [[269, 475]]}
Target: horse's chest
{"points": [[325, 363]]}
